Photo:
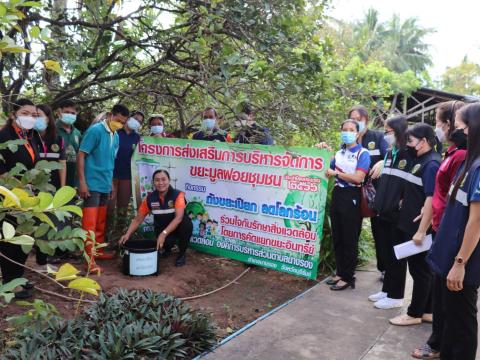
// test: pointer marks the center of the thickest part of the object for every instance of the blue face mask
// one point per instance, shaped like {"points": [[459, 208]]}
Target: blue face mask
{"points": [[348, 137], [40, 124], [156, 129], [133, 124], [361, 126], [68, 119], [209, 123]]}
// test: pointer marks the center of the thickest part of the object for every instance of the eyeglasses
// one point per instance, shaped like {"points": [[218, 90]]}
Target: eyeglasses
{"points": [[388, 132]]}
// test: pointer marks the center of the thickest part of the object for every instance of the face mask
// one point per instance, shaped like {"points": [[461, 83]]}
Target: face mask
{"points": [[412, 151], [348, 137], [115, 125], [361, 126], [133, 124], [209, 123], [68, 119], [459, 138], [25, 122], [156, 129], [40, 124], [390, 139], [440, 134]]}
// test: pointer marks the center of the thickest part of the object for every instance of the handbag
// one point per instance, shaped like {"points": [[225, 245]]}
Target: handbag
{"points": [[367, 199]]}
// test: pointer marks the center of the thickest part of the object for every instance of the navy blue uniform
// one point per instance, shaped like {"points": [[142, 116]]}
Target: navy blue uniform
{"points": [[460, 307]]}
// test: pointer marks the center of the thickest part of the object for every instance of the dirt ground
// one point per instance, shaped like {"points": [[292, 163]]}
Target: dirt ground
{"points": [[257, 292]]}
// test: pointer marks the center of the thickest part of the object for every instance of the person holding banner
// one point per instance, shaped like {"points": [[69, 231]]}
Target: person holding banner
{"points": [[349, 167], [418, 193], [170, 220], [210, 130], [156, 122]]}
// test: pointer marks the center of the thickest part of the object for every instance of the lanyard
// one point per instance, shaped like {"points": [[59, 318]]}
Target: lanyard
{"points": [[45, 149], [28, 146]]}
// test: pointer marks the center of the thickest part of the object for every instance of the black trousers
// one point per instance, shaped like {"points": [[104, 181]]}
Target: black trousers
{"points": [[379, 230], [395, 270], [422, 285], [182, 234], [11, 271], [438, 306], [346, 220], [460, 334]]}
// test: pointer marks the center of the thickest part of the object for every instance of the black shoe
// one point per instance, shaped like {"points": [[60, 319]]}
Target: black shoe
{"points": [[181, 260], [28, 286], [23, 294], [165, 254], [343, 287], [332, 282]]}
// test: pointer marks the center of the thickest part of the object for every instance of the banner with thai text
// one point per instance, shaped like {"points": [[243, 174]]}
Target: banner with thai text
{"points": [[263, 205]]}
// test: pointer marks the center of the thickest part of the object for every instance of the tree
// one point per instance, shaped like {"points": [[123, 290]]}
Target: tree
{"points": [[399, 45], [462, 79]]}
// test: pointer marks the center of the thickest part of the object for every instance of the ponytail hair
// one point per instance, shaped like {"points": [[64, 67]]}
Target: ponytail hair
{"points": [[423, 131]]}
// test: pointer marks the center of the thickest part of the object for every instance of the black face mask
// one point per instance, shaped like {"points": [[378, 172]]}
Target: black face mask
{"points": [[412, 152], [459, 138]]}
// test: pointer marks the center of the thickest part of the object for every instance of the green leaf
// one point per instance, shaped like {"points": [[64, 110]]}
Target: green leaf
{"points": [[8, 230], [41, 230], [72, 208], [27, 248], [66, 272], [44, 218], [22, 240], [11, 285], [34, 32], [63, 196], [45, 200], [45, 247], [85, 284]]}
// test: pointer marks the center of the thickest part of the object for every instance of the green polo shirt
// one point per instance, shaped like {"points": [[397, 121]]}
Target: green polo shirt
{"points": [[72, 144]]}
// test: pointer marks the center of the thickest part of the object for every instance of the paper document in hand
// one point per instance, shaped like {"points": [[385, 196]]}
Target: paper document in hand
{"points": [[409, 248]]}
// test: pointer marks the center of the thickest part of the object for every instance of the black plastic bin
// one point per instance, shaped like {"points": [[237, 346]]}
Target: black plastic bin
{"points": [[140, 258]]}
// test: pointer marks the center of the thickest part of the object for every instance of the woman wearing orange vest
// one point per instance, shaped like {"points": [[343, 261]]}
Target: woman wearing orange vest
{"points": [[170, 221]]}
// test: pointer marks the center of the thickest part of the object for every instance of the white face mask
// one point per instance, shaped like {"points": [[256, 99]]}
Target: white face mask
{"points": [[26, 122], [440, 134], [390, 139]]}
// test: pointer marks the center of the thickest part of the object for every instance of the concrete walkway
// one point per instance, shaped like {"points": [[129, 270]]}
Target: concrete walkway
{"points": [[323, 324]]}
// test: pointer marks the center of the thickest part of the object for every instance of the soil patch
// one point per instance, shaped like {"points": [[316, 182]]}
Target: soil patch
{"points": [[257, 292]]}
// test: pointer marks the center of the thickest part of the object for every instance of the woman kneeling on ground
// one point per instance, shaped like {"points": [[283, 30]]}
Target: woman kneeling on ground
{"points": [[170, 221]]}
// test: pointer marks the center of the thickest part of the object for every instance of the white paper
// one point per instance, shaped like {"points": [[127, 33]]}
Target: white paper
{"points": [[143, 263], [409, 248]]}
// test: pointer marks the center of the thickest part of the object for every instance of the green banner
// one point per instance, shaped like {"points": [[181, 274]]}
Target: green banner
{"points": [[263, 205]]}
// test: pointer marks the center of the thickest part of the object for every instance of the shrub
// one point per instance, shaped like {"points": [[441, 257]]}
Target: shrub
{"points": [[124, 325]]}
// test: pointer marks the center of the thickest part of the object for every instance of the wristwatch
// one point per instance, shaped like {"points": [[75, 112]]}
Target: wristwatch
{"points": [[164, 232], [459, 260]]}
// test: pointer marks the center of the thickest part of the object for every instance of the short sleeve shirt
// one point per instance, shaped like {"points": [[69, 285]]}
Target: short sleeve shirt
{"points": [[428, 177], [101, 146], [71, 142], [348, 161]]}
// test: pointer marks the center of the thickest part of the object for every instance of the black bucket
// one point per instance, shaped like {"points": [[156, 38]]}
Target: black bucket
{"points": [[140, 258]]}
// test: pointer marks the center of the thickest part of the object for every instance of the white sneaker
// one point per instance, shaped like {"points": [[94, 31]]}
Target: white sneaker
{"points": [[388, 303], [378, 296]]}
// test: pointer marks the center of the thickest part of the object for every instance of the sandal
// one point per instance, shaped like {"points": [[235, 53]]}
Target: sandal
{"points": [[425, 352]]}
